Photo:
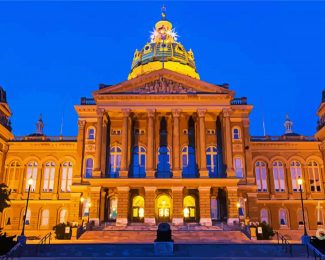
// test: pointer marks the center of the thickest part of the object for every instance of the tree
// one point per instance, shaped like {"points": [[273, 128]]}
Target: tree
{"points": [[4, 197]]}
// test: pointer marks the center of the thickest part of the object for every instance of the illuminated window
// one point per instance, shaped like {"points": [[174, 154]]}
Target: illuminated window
{"points": [[139, 161], [115, 161], [113, 208], [91, 133], [49, 175], [236, 133], [66, 180], [63, 216], [283, 217], [211, 160], [189, 208], [89, 167], [264, 215], [13, 176], [295, 170], [86, 207], [45, 217], [239, 169], [278, 176], [260, 172], [31, 173], [314, 176], [137, 208]]}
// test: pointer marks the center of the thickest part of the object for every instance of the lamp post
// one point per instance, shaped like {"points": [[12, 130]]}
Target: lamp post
{"points": [[82, 199], [302, 205], [30, 183]]}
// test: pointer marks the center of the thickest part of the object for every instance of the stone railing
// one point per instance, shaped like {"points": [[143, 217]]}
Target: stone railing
{"points": [[239, 101], [45, 138], [268, 138], [87, 101]]}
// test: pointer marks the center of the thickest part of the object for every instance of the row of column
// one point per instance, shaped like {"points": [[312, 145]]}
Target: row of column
{"points": [[101, 139]]}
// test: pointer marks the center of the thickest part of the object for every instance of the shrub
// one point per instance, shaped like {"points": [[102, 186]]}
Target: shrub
{"points": [[267, 231], [60, 231], [6, 243]]}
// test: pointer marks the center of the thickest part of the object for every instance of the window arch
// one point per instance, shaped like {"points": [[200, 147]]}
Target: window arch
{"points": [[13, 176], [278, 176], [91, 133], [139, 161], [66, 179], [236, 135], [314, 176], [283, 217], [45, 216], [49, 173], [296, 173], [211, 159], [31, 173], [260, 173], [63, 217], [264, 216], [239, 168], [89, 167], [115, 161]]}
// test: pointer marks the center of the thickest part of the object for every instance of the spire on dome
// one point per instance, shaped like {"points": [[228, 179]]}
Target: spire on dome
{"points": [[288, 125], [40, 126], [163, 12]]}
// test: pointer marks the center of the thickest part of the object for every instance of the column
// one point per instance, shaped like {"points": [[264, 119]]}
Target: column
{"points": [[305, 177], [271, 181], [232, 205], [94, 195], [98, 136], [149, 205], [177, 205], [252, 209], [248, 154], [288, 180], [104, 146], [205, 206], [228, 136], [203, 164], [125, 130], [150, 173], [122, 206], [78, 172], [177, 173]]}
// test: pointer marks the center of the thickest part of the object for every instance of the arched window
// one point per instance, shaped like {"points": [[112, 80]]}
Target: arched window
{"points": [[28, 216], [113, 208], [260, 172], [63, 216], [211, 159], [91, 133], [85, 207], [283, 217], [314, 176], [278, 176], [139, 161], [163, 167], [236, 133], [188, 161], [66, 179], [137, 208], [49, 173], [31, 173], [13, 176], [239, 168], [45, 217], [189, 208], [89, 167], [264, 216], [295, 170], [242, 208], [300, 218], [115, 161]]}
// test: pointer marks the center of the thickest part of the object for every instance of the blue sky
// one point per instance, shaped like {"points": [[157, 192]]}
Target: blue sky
{"points": [[53, 53]]}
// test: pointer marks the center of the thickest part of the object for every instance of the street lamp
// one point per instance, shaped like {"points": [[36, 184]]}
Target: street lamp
{"points": [[302, 205], [82, 199], [30, 183]]}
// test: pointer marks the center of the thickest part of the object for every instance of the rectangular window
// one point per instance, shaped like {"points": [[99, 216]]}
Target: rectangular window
{"points": [[239, 167]]}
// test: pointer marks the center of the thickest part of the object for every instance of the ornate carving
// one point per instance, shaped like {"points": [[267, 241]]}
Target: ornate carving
{"points": [[176, 112], [126, 112], [151, 112], [163, 86], [81, 123], [100, 112], [201, 112], [90, 148]]}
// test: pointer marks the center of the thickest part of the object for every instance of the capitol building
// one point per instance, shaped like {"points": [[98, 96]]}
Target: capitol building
{"points": [[162, 146]]}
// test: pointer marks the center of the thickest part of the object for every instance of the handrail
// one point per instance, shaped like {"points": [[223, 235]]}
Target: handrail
{"points": [[284, 242], [317, 253], [44, 239], [11, 252]]}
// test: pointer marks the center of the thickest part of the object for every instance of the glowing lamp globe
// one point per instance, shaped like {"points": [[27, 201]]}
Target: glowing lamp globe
{"points": [[299, 181], [30, 182]]}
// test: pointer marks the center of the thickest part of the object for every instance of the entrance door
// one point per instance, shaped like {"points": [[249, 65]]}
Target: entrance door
{"points": [[163, 205], [137, 209]]}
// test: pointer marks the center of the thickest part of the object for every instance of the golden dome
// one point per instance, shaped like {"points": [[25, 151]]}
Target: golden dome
{"points": [[163, 51]]}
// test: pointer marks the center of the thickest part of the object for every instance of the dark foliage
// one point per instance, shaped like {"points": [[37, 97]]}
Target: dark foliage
{"points": [[60, 231], [4, 197], [267, 231], [6, 243]]}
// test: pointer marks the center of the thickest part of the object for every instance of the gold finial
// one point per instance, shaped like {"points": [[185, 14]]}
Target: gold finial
{"points": [[163, 12]]}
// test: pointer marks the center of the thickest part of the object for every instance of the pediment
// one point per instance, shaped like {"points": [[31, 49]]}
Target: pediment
{"points": [[163, 82]]}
